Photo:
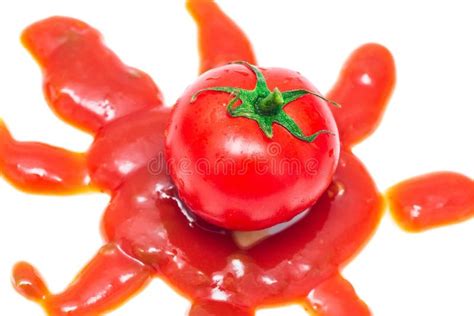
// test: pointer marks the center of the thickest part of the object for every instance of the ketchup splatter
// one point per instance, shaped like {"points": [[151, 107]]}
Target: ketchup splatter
{"points": [[432, 200], [220, 39], [85, 83], [148, 232]]}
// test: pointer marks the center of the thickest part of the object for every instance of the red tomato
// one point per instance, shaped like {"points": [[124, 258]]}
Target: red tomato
{"points": [[250, 147]]}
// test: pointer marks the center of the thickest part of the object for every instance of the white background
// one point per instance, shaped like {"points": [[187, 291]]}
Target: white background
{"points": [[428, 126]]}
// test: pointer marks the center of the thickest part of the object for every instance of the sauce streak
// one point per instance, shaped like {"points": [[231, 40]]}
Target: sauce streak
{"points": [[220, 40], [432, 200], [40, 168], [85, 83], [365, 84], [148, 232]]}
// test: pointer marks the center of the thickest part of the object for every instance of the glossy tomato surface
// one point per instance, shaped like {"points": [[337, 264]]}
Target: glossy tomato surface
{"points": [[229, 172]]}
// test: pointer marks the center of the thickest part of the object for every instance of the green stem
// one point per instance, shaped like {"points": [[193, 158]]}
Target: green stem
{"points": [[270, 104], [265, 106]]}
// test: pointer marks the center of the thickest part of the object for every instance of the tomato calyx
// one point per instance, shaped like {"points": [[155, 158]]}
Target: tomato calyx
{"points": [[265, 106]]}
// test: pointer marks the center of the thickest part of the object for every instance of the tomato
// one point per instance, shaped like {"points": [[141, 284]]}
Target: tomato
{"points": [[248, 147]]}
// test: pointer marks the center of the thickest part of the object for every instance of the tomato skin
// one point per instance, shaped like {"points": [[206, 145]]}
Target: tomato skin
{"points": [[229, 172]]}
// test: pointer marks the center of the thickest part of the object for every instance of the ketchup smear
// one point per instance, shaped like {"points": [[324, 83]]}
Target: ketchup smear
{"points": [[147, 230]]}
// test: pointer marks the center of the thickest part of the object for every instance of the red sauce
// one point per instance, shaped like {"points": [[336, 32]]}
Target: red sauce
{"points": [[365, 84], [41, 168], [432, 200], [220, 39], [85, 83], [148, 232]]}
